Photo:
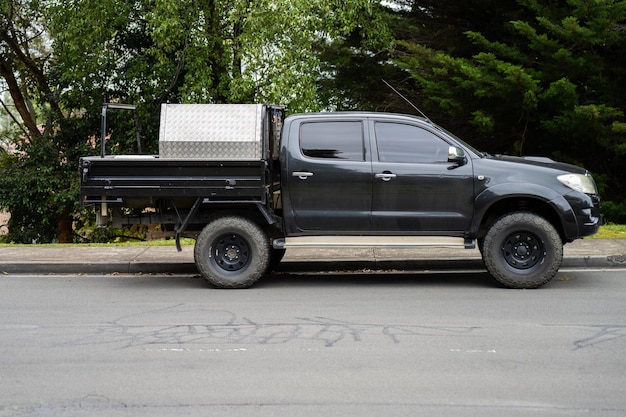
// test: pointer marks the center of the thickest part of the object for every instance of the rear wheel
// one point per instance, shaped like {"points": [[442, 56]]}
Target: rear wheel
{"points": [[232, 252], [522, 250]]}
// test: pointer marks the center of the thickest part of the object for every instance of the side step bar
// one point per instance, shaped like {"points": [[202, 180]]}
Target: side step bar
{"points": [[399, 242]]}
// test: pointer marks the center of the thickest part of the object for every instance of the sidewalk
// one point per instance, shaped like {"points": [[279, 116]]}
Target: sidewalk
{"points": [[36, 259]]}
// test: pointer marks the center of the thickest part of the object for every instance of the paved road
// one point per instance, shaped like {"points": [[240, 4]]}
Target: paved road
{"points": [[309, 345]]}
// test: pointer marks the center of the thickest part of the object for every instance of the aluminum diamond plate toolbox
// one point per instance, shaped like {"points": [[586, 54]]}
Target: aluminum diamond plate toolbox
{"points": [[211, 131]]}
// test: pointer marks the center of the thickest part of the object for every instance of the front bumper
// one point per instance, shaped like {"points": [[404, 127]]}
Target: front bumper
{"points": [[586, 210]]}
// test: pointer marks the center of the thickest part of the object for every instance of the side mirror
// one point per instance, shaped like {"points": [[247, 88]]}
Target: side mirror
{"points": [[456, 155]]}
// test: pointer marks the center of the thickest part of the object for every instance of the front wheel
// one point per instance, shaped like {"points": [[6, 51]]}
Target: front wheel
{"points": [[522, 250], [232, 252]]}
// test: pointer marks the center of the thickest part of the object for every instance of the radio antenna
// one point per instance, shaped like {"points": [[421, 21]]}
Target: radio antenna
{"points": [[407, 100]]}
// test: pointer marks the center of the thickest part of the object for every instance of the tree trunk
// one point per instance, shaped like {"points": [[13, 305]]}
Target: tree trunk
{"points": [[64, 226], [7, 72]]}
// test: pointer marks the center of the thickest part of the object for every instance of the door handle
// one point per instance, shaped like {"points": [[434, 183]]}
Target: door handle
{"points": [[303, 175], [386, 176]]}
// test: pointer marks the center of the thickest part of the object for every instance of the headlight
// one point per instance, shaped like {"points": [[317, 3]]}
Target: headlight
{"points": [[579, 182]]}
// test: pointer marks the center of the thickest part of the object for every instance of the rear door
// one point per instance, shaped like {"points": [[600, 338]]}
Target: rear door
{"points": [[415, 189], [330, 175]]}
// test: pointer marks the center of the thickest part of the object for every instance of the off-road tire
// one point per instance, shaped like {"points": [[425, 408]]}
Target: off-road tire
{"points": [[522, 250], [232, 252]]}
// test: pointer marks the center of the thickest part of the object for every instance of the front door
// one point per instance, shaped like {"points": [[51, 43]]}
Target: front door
{"points": [[415, 189]]}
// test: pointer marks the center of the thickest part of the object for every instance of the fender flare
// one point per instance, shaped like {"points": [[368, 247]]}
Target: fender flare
{"points": [[555, 201]]}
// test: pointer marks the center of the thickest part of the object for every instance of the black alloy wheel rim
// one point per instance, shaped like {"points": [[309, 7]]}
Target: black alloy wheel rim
{"points": [[230, 252], [523, 250]]}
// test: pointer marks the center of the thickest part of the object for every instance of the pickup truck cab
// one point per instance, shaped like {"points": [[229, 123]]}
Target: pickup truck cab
{"points": [[354, 179]]}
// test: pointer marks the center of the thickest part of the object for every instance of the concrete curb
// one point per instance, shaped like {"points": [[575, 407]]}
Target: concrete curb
{"points": [[287, 266]]}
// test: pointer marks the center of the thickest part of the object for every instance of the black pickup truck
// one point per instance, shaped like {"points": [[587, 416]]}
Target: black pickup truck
{"points": [[249, 184]]}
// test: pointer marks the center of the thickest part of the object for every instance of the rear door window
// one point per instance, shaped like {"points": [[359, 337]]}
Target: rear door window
{"points": [[332, 140]]}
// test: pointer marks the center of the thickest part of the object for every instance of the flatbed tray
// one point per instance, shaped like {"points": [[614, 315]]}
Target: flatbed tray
{"points": [[128, 176]]}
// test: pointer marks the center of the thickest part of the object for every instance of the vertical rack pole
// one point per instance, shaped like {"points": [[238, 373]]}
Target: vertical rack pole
{"points": [[103, 131]]}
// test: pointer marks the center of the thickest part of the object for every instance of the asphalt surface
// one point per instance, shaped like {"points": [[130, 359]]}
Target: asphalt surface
{"points": [[81, 259], [429, 345]]}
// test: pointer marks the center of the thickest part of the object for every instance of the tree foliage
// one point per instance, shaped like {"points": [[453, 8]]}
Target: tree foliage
{"points": [[512, 77], [211, 51], [36, 183], [531, 78], [60, 60]]}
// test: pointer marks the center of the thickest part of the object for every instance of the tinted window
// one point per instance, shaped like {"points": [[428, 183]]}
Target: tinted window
{"points": [[411, 144], [339, 140]]}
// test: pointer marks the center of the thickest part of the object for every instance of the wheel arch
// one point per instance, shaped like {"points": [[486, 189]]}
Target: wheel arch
{"points": [[256, 213], [493, 203]]}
